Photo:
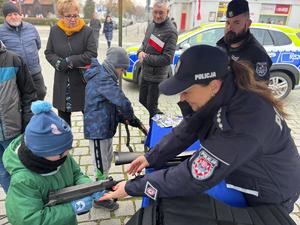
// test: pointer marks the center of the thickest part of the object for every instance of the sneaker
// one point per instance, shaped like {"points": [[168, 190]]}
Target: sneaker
{"points": [[107, 204]]}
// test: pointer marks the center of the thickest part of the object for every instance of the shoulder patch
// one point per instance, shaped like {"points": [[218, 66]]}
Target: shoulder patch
{"points": [[150, 191], [261, 68], [203, 165]]}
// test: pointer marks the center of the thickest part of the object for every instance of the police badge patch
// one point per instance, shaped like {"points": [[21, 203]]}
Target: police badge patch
{"points": [[203, 166], [261, 68], [150, 191]]}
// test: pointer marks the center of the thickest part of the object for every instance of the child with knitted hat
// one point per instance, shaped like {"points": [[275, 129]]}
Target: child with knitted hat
{"points": [[38, 162], [105, 106]]}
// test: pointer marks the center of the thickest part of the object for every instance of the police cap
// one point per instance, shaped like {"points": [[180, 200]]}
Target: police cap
{"points": [[236, 7], [199, 64]]}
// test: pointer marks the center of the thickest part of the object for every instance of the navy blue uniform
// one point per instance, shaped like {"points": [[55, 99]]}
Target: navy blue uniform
{"points": [[244, 142], [252, 51]]}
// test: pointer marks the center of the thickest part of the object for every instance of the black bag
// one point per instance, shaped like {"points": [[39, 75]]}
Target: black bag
{"points": [[204, 210]]}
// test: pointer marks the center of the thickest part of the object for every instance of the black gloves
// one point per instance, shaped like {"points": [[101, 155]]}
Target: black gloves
{"points": [[63, 65]]}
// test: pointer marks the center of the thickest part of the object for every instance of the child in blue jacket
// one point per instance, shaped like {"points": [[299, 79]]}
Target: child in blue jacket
{"points": [[105, 106]]}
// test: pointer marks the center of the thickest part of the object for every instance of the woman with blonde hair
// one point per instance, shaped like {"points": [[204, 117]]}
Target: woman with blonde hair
{"points": [[70, 47]]}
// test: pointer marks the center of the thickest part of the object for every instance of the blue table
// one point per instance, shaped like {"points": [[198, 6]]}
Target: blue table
{"points": [[219, 192]]}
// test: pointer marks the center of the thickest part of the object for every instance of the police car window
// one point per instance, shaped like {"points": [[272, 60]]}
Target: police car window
{"points": [[280, 38], [208, 37], [262, 36]]}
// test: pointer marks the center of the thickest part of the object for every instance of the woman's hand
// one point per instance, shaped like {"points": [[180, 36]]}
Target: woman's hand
{"points": [[137, 165], [117, 193]]}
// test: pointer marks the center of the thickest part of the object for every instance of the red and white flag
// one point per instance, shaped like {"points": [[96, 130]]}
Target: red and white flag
{"points": [[156, 43]]}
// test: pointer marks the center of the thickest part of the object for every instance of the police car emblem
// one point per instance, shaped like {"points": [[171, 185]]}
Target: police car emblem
{"points": [[150, 191], [203, 166], [261, 68]]}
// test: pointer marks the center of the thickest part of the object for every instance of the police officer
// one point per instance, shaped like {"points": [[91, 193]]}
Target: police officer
{"points": [[240, 43], [226, 111]]}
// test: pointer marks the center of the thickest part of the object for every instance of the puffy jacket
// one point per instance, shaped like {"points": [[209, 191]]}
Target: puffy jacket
{"points": [[155, 66], [105, 103], [25, 42], [16, 94], [28, 191]]}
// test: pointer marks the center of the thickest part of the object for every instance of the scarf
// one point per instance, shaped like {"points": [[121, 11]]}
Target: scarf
{"points": [[69, 31], [38, 164]]}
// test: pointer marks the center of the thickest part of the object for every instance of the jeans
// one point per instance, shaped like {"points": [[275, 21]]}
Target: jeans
{"points": [[148, 97], [4, 175]]}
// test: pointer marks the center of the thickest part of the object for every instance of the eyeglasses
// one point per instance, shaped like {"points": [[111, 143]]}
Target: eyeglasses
{"points": [[75, 16]]}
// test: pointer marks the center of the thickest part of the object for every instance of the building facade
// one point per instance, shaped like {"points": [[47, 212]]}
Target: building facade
{"points": [[190, 13]]}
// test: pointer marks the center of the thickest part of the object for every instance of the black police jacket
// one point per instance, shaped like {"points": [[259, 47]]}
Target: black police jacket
{"points": [[244, 141], [252, 51]]}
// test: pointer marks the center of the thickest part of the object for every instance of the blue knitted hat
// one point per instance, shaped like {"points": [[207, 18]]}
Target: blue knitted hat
{"points": [[47, 134]]}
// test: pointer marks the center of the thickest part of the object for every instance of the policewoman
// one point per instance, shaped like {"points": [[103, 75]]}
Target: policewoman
{"points": [[244, 137]]}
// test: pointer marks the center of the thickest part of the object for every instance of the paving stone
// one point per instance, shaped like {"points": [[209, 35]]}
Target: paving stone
{"points": [[2, 208], [111, 222], [85, 160], [116, 169], [295, 218], [99, 214], [81, 151], [2, 194], [118, 176], [84, 143], [138, 203], [84, 217], [78, 135], [126, 208], [89, 223]]}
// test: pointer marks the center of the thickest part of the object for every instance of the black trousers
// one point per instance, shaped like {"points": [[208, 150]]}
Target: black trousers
{"points": [[148, 97], [39, 85], [66, 116], [204, 210]]}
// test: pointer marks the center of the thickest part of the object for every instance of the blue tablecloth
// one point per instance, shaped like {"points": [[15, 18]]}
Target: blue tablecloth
{"points": [[219, 192]]}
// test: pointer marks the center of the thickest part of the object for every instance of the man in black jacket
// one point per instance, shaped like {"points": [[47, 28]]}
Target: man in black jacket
{"points": [[156, 55], [240, 44], [17, 92]]}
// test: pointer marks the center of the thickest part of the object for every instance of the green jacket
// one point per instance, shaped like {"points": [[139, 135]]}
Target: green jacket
{"points": [[28, 191]]}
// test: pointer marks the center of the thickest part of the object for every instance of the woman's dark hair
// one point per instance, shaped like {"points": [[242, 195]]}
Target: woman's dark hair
{"points": [[245, 79], [107, 18]]}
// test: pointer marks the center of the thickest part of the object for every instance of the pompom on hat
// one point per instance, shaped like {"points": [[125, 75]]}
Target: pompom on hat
{"points": [[46, 133]]}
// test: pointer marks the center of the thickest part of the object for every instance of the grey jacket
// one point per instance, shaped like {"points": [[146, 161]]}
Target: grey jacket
{"points": [[16, 94], [25, 42], [155, 66]]}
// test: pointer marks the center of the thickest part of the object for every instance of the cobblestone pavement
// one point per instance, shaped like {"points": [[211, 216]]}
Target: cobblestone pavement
{"points": [[130, 205]]}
